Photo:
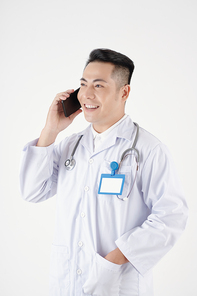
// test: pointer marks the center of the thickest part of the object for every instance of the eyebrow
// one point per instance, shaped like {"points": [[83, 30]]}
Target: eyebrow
{"points": [[95, 80]]}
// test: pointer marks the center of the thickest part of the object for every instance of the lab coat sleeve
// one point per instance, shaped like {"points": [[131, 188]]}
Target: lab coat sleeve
{"points": [[38, 172], [145, 245]]}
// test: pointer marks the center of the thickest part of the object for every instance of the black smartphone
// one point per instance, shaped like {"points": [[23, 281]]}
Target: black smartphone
{"points": [[71, 104]]}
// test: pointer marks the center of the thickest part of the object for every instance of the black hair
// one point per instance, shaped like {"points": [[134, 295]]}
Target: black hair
{"points": [[124, 66]]}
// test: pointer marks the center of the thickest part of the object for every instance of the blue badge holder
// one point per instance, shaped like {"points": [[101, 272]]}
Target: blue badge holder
{"points": [[111, 184]]}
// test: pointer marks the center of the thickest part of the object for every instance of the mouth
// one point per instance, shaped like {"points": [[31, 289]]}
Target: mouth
{"points": [[91, 107]]}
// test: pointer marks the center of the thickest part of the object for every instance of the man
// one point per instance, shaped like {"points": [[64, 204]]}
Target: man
{"points": [[104, 244]]}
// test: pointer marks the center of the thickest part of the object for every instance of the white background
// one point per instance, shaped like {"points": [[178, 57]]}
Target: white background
{"points": [[43, 48]]}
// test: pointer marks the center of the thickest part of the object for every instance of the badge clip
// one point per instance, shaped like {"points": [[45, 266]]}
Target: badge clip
{"points": [[114, 167]]}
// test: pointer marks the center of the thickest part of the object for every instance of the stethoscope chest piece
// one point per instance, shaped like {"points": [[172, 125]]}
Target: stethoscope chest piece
{"points": [[70, 164]]}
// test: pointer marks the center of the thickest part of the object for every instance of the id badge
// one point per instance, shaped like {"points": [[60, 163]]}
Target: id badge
{"points": [[112, 185]]}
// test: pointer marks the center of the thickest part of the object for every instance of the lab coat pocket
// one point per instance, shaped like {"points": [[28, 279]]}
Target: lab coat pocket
{"points": [[104, 278], [59, 271]]}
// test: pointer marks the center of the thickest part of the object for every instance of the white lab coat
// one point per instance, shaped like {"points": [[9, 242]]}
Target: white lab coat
{"points": [[89, 226]]}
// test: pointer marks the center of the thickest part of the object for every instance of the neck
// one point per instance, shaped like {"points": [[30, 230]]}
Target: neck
{"points": [[100, 128]]}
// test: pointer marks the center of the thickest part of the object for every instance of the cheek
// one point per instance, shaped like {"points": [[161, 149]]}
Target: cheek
{"points": [[79, 96]]}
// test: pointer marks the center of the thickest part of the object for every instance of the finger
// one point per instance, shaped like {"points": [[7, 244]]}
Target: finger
{"points": [[63, 96], [65, 93], [69, 91], [60, 98]]}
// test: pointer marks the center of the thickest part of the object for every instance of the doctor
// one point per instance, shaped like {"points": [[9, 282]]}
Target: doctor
{"points": [[104, 245]]}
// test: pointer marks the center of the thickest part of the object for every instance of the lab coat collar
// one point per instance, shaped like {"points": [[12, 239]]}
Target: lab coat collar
{"points": [[87, 139], [104, 134], [124, 130]]}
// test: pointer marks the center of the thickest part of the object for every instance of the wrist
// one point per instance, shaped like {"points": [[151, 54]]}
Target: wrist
{"points": [[47, 137]]}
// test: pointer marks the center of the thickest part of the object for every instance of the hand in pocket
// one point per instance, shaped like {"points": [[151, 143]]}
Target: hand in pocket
{"points": [[104, 278]]}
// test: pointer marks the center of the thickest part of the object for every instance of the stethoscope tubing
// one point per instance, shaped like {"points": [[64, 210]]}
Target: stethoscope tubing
{"points": [[76, 145], [133, 146]]}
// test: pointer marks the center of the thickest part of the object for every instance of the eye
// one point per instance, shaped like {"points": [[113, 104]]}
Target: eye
{"points": [[82, 84], [98, 86]]}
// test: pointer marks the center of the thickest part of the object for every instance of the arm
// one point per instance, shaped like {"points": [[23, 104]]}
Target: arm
{"points": [[40, 159], [145, 245]]}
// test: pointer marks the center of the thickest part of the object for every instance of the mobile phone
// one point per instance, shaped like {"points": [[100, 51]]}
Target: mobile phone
{"points": [[71, 104]]}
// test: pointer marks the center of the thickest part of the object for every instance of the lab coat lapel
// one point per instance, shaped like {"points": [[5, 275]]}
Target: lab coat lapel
{"points": [[87, 140]]}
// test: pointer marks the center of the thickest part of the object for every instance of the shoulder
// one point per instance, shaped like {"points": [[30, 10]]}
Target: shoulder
{"points": [[147, 140], [150, 146]]}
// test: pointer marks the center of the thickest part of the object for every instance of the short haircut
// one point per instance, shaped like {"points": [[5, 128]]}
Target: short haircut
{"points": [[124, 66]]}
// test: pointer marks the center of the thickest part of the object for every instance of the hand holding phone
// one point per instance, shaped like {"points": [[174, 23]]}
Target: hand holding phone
{"points": [[71, 104], [56, 120]]}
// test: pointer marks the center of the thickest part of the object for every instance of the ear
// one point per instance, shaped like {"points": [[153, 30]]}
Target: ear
{"points": [[125, 90]]}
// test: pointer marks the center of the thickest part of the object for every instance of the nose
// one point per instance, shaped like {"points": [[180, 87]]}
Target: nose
{"points": [[88, 92]]}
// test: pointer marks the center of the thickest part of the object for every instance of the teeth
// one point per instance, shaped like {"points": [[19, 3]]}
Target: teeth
{"points": [[91, 107]]}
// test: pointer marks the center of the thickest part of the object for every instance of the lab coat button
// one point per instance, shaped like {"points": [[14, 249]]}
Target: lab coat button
{"points": [[86, 188], [80, 244], [79, 271], [91, 160], [82, 215]]}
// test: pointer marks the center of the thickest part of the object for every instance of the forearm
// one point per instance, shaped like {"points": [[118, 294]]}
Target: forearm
{"points": [[47, 137]]}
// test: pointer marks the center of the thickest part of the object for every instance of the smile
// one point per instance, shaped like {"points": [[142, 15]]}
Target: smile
{"points": [[91, 106]]}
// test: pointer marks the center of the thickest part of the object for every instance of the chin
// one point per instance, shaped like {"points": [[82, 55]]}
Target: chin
{"points": [[88, 119]]}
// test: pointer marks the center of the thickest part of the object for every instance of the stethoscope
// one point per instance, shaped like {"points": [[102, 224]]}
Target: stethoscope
{"points": [[137, 158], [70, 162]]}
